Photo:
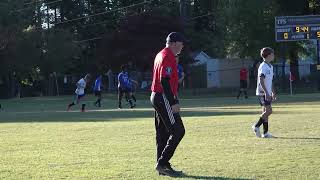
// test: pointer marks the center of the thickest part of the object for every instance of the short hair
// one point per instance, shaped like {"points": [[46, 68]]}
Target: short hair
{"points": [[266, 51], [123, 67]]}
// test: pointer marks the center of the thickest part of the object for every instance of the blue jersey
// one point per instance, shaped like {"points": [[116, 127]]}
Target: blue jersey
{"points": [[97, 84], [123, 80], [180, 71]]}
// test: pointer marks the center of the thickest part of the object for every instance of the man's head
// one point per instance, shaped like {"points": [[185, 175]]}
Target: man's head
{"points": [[124, 68], [267, 54], [175, 41]]}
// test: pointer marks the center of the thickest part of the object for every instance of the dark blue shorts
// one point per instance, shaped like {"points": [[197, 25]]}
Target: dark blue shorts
{"points": [[97, 93], [263, 101], [80, 96], [125, 89]]}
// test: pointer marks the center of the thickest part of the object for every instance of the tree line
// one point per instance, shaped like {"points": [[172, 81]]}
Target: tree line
{"points": [[41, 37]]}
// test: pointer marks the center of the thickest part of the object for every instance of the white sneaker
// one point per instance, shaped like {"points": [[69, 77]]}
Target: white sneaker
{"points": [[256, 131], [267, 135]]}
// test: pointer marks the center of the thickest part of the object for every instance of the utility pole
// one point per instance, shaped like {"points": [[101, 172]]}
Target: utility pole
{"points": [[183, 13]]}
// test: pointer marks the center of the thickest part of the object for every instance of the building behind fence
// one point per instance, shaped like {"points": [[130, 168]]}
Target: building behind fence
{"points": [[225, 75]]}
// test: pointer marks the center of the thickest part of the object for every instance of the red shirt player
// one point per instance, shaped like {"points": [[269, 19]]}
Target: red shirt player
{"points": [[243, 74], [168, 123], [243, 82]]}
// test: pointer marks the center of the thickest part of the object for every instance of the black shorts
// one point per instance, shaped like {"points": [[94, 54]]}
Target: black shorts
{"points": [[125, 90], [243, 84], [263, 101], [97, 93]]}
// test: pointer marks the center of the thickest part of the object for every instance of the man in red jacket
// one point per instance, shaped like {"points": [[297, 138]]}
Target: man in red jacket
{"points": [[243, 82], [168, 123]]}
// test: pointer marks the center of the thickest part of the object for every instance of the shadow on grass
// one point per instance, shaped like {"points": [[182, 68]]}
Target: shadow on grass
{"points": [[209, 177], [299, 138], [116, 115]]}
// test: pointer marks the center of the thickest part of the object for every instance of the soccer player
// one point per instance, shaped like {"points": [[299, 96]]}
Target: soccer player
{"points": [[180, 72], [97, 90], [124, 87], [243, 82], [265, 91], [168, 123], [81, 85]]}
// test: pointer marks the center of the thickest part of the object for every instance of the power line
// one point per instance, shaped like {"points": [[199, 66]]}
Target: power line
{"points": [[204, 15], [104, 22], [46, 3], [86, 40], [41, 1], [98, 14]]}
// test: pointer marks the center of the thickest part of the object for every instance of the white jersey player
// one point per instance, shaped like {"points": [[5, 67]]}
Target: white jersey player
{"points": [[265, 92], [81, 85]]}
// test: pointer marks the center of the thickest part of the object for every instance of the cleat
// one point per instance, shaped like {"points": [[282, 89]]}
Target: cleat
{"points": [[166, 170], [267, 135], [256, 131], [133, 106]]}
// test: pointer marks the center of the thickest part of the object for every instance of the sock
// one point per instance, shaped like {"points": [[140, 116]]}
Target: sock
{"points": [[83, 107], [265, 127], [99, 102], [245, 94], [130, 101], [239, 94], [72, 104], [134, 98], [260, 121]]}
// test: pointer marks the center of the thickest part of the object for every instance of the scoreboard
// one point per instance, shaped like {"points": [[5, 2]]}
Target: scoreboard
{"points": [[296, 28]]}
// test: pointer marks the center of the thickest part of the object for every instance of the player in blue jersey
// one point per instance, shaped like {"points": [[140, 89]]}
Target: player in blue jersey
{"points": [[97, 90], [125, 87], [180, 72]]}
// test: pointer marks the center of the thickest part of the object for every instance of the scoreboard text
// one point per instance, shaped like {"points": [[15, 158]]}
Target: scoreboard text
{"points": [[296, 28]]}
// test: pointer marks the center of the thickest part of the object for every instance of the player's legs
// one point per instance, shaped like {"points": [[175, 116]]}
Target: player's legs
{"points": [[162, 135], [263, 120], [173, 125], [245, 88], [120, 95], [129, 97], [239, 93], [83, 105], [265, 116], [74, 102], [133, 97], [98, 95]]}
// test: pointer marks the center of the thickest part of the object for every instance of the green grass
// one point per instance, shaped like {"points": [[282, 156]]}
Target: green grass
{"points": [[39, 140]]}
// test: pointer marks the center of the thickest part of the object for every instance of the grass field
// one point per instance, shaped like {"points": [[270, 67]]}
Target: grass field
{"points": [[40, 140]]}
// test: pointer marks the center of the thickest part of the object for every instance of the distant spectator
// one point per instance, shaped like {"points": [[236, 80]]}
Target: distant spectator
{"points": [[243, 82], [97, 90]]}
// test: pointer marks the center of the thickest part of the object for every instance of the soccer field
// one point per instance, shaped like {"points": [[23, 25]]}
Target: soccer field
{"points": [[40, 140]]}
